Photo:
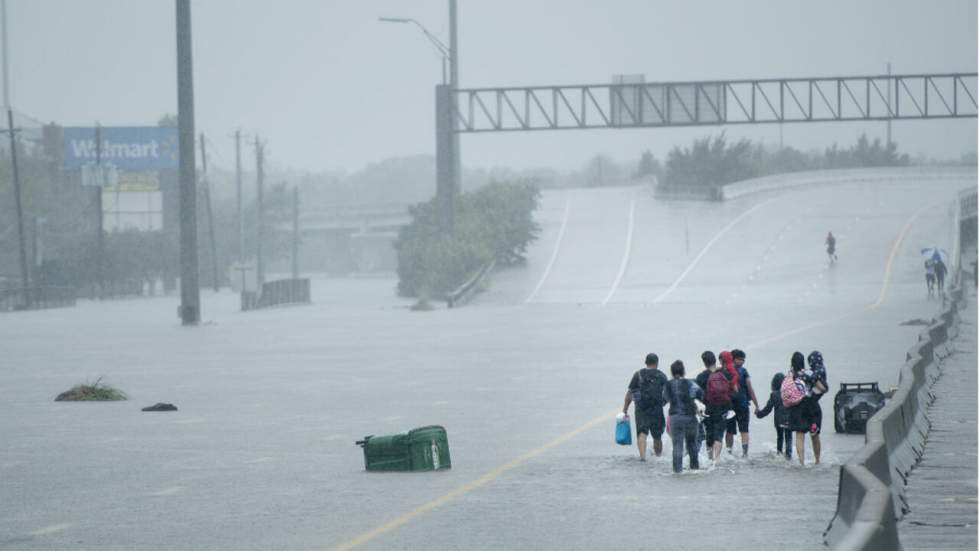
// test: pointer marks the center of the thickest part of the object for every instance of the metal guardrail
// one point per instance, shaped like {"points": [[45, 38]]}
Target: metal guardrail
{"points": [[36, 298], [280, 292], [871, 492], [471, 286]]}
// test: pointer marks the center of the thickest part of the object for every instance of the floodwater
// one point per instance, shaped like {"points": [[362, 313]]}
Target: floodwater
{"points": [[526, 379]]}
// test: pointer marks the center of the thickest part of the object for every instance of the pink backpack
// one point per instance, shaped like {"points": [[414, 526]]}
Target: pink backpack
{"points": [[790, 392]]}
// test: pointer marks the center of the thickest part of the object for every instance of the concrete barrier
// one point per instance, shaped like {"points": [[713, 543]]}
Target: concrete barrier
{"points": [[844, 176], [871, 494]]}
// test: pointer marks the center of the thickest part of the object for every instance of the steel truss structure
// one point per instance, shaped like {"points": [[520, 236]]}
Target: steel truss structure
{"points": [[666, 104]]}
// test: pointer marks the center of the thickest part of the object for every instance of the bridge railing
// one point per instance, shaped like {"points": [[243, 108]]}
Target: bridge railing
{"points": [[280, 292], [462, 294]]}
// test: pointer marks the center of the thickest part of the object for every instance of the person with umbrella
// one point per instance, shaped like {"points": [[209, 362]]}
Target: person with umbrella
{"points": [[936, 269]]}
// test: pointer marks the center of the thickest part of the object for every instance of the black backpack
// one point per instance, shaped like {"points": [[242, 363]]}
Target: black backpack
{"points": [[651, 390]]}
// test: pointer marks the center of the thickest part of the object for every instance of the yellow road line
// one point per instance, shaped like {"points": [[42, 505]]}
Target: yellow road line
{"points": [[514, 463], [469, 487]]}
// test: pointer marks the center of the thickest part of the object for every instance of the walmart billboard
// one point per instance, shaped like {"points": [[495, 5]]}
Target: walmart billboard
{"points": [[125, 147]]}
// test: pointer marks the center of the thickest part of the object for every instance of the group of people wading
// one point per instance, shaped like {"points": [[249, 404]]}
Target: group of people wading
{"points": [[713, 406]]}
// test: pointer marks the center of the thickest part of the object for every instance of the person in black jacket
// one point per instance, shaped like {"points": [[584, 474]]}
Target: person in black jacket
{"points": [[780, 418], [682, 395]]}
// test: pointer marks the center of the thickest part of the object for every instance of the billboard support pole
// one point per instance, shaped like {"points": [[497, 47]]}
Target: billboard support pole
{"points": [[207, 203], [25, 277], [99, 222], [190, 292]]}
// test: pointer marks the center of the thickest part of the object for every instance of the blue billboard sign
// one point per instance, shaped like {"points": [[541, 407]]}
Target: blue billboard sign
{"points": [[125, 147]]}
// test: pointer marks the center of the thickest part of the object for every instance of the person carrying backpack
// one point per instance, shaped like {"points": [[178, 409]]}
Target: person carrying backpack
{"points": [[815, 380], [740, 402], [718, 403], [796, 392], [682, 395], [780, 417], [645, 391]]}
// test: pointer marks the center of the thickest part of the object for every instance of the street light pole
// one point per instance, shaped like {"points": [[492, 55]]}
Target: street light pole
{"points": [[456, 162], [448, 167], [6, 67]]}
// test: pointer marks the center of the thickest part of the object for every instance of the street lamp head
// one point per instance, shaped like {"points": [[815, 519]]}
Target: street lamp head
{"points": [[394, 20]]}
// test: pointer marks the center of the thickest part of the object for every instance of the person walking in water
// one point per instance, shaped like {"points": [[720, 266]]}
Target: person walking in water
{"points": [[740, 404], [646, 390], [831, 242], [805, 416], [718, 403], [930, 277], [681, 394], [781, 422], [940, 268]]}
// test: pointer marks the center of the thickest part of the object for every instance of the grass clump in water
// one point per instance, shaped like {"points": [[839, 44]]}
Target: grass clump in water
{"points": [[95, 392]]}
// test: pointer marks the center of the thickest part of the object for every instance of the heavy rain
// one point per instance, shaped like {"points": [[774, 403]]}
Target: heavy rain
{"points": [[488, 275]]}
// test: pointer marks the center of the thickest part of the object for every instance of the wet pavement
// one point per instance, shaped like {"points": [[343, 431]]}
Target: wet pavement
{"points": [[261, 453], [942, 490]]}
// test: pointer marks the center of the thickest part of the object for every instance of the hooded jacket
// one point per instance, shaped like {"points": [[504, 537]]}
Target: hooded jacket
{"points": [[728, 362]]}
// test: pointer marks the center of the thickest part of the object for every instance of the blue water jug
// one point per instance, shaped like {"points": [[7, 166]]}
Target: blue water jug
{"points": [[624, 436]]}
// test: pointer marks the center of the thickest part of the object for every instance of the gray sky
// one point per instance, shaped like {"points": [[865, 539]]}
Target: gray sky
{"points": [[330, 87]]}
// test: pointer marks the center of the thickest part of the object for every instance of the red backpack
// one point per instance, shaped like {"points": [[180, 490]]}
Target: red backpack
{"points": [[719, 391], [790, 392]]}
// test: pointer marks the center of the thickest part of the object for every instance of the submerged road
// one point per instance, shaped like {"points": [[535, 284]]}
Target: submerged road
{"points": [[526, 380]]}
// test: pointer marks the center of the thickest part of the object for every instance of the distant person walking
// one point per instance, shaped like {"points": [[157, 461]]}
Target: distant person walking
{"points": [[740, 404], [645, 391], [831, 243], [780, 417], [681, 394], [930, 277], [940, 267]]}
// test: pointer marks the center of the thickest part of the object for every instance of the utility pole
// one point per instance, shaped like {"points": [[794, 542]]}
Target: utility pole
{"points": [[207, 204], [25, 278], [295, 233], [259, 211], [190, 293], [238, 189], [99, 221]]}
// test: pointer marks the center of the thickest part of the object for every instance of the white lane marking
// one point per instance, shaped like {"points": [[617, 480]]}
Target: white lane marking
{"points": [[626, 255], [705, 250], [554, 253], [167, 491], [52, 529]]}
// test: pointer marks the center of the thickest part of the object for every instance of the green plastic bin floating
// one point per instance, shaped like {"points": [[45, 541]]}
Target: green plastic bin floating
{"points": [[421, 449]]}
